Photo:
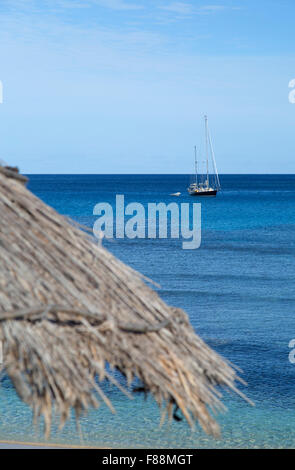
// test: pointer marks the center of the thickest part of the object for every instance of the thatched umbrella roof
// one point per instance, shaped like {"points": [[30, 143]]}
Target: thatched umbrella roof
{"points": [[68, 307]]}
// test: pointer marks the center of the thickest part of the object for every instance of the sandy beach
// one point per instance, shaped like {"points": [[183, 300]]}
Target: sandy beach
{"points": [[33, 445]]}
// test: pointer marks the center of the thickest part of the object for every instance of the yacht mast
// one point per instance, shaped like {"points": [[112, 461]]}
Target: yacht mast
{"points": [[207, 163], [214, 162], [196, 166]]}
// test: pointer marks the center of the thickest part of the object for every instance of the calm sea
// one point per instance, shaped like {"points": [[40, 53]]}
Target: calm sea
{"points": [[238, 289]]}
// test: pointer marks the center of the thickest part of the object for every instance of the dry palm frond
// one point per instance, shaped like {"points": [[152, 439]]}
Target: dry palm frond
{"points": [[68, 307]]}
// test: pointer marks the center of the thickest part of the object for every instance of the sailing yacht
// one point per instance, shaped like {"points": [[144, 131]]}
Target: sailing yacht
{"points": [[206, 184]]}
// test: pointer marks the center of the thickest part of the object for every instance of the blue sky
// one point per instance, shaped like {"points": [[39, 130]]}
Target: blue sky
{"points": [[121, 86]]}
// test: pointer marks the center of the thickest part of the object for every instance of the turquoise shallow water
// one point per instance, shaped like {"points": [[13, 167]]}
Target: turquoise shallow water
{"points": [[238, 290]]}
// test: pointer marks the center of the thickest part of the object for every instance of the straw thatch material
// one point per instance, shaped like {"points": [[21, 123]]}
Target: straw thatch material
{"points": [[67, 306]]}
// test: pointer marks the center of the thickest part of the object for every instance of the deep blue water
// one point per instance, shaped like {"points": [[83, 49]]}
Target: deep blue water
{"points": [[238, 289]]}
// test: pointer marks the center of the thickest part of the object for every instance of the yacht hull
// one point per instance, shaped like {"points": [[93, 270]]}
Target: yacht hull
{"points": [[203, 193]]}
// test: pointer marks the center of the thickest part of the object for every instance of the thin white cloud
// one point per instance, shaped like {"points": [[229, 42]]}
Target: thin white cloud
{"points": [[212, 8], [179, 7], [188, 9], [35, 5], [72, 4], [119, 5]]}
